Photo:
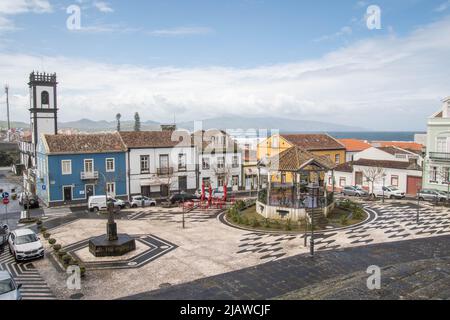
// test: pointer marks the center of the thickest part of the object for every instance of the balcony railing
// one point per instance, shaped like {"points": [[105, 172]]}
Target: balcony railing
{"points": [[164, 171], [440, 155], [89, 175]]}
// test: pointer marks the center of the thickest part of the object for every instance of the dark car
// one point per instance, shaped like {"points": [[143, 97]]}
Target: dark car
{"points": [[182, 197], [30, 202]]}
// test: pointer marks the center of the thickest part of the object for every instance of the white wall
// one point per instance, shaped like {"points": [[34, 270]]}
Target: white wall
{"points": [[135, 167], [213, 162], [375, 154]]}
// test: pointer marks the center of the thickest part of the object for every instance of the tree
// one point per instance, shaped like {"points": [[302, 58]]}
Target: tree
{"points": [[137, 122], [118, 116], [373, 175], [443, 174]]}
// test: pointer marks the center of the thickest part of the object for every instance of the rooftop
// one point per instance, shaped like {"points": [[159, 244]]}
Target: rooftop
{"points": [[296, 158], [354, 145], [84, 143], [314, 142], [155, 139], [399, 144], [387, 164]]}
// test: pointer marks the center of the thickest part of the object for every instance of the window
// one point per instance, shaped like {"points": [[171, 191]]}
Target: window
{"points": [[433, 174], [394, 181], [182, 162], [220, 181], [89, 165], [235, 162], [145, 164], [205, 163], [337, 159], [446, 175], [206, 182], [342, 182], [235, 180], [44, 99], [110, 165], [223, 140], [220, 162], [441, 145], [111, 189], [164, 161], [66, 166]]}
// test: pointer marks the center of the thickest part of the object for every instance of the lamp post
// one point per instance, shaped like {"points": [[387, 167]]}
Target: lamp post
{"points": [[384, 182], [418, 204], [314, 188]]}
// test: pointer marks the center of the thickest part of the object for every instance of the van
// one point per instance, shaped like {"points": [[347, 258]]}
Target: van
{"points": [[97, 203]]}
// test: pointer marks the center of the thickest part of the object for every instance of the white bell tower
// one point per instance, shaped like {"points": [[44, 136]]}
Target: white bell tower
{"points": [[43, 105]]}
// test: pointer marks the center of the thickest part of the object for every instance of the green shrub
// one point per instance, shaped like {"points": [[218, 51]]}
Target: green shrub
{"points": [[266, 223], [344, 220], [66, 259], [240, 205], [276, 224], [52, 241], [43, 229], [57, 247], [255, 223], [73, 262], [287, 225], [82, 270], [46, 235], [245, 221], [358, 213]]}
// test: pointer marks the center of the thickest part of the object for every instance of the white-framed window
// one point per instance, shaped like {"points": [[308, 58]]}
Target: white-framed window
{"points": [[220, 181], [235, 180], [221, 162], [433, 174], [337, 158], [235, 163], [394, 181], [342, 182], [88, 165], [182, 162], [110, 165], [145, 164], [66, 167], [111, 189], [441, 144], [205, 163]]}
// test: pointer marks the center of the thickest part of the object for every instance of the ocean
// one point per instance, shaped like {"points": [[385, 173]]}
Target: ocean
{"points": [[377, 135]]}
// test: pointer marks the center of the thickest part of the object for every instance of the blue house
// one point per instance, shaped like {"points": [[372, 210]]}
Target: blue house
{"points": [[71, 168]]}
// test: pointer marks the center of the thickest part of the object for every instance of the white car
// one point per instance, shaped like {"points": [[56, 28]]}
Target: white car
{"points": [[99, 203], [136, 201], [216, 193], [9, 289], [389, 192], [24, 244]]}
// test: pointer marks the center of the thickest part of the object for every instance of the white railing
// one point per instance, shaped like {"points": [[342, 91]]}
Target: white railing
{"points": [[89, 175]]}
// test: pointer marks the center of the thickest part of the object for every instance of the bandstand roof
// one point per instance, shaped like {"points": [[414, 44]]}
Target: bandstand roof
{"points": [[296, 159]]}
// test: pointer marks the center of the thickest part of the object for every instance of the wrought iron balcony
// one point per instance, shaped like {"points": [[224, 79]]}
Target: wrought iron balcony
{"points": [[93, 175], [440, 156], [164, 171]]}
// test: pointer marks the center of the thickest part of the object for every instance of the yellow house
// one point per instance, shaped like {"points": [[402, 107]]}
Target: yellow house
{"points": [[318, 144]]}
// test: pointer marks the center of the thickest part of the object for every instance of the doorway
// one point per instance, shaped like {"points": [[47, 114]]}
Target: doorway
{"points": [[67, 193], [89, 190], [182, 183]]}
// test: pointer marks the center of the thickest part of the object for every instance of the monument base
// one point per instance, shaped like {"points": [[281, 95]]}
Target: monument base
{"points": [[102, 247]]}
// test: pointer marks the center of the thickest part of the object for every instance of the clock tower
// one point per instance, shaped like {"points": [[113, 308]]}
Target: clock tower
{"points": [[43, 106]]}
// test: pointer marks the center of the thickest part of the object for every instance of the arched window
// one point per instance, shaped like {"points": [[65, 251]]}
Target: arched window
{"points": [[44, 99]]}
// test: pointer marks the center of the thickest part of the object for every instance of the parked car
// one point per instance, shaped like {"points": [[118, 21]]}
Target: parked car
{"points": [[9, 289], [389, 192], [4, 233], [99, 203], [354, 191], [136, 201], [28, 200], [216, 193], [181, 197], [431, 195], [24, 244]]}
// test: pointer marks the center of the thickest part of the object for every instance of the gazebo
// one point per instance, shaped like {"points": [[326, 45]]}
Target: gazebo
{"points": [[291, 176]]}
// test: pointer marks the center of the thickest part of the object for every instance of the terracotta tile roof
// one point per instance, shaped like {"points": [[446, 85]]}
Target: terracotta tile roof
{"points": [[387, 164], [295, 158], [393, 150], [84, 143], [344, 167], [354, 145], [314, 142], [155, 139], [399, 144]]}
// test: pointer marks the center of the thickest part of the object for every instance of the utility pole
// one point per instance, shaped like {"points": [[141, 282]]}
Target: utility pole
{"points": [[7, 109]]}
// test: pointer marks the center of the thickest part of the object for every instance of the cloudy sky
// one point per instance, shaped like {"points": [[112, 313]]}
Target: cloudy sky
{"points": [[197, 59]]}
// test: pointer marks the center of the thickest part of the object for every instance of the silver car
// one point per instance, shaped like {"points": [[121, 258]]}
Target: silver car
{"points": [[431, 195], [354, 191], [139, 201], [9, 289]]}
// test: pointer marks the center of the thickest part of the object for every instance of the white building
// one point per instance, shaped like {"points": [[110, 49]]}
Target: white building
{"points": [[219, 158], [437, 159], [397, 167], [160, 162]]}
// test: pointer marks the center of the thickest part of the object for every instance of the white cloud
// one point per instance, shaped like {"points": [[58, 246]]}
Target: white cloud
{"points": [[443, 6], [103, 7], [181, 31], [385, 83], [11, 7], [344, 31]]}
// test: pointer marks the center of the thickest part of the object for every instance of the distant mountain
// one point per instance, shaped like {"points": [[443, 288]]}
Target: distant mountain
{"points": [[14, 124], [228, 122], [282, 124]]}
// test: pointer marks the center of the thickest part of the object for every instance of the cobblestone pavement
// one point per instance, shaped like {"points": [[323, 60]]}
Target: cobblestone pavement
{"points": [[417, 280], [277, 278]]}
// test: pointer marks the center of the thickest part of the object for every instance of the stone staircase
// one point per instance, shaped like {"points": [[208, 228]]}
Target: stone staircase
{"points": [[319, 218]]}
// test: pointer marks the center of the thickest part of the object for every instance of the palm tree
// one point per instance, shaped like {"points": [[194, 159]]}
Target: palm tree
{"points": [[118, 116], [137, 122]]}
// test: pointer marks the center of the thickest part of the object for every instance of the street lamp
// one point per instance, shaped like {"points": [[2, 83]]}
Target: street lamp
{"points": [[384, 182], [314, 189]]}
